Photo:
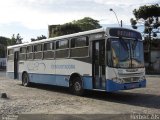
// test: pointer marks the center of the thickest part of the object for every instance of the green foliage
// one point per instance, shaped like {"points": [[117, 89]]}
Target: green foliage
{"points": [[150, 15], [38, 38], [7, 41], [151, 21], [84, 24], [87, 23], [147, 11], [4, 42], [13, 40], [18, 39], [65, 29]]}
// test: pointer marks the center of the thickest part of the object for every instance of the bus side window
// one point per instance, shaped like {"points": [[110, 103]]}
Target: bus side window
{"points": [[10, 54], [38, 51], [22, 55], [79, 47], [62, 48], [48, 49], [29, 52]]}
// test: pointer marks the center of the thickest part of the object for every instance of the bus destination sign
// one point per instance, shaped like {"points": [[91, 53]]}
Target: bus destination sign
{"points": [[124, 33]]}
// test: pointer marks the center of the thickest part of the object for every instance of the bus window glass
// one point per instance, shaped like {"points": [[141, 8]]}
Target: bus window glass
{"points": [[79, 47], [47, 46], [10, 54], [126, 53], [10, 51], [48, 50], [38, 51], [29, 52], [29, 49], [137, 54], [22, 55], [38, 48], [62, 44], [23, 50], [79, 42]]}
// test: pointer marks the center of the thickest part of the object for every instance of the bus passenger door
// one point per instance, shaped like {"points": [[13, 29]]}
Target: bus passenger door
{"points": [[16, 54], [98, 64]]}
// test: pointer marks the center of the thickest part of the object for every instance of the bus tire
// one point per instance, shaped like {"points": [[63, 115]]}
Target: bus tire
{"points": [[77, 88], [25, 80]]}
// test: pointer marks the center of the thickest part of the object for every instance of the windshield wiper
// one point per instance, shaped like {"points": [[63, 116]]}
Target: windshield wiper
{"points": [[134, 44], [124, 44]]}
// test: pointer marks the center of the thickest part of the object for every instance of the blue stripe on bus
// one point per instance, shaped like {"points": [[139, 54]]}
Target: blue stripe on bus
{"points": [[87, 82], [112, 86], [62, 80], [53, 79], [47, 79]]}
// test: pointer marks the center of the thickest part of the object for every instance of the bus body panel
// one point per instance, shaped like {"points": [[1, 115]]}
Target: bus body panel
{"points": [[47, 72]]}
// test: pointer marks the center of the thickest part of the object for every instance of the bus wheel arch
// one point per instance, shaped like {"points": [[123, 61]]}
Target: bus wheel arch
{"points": [[76, 84], [25, 79]]}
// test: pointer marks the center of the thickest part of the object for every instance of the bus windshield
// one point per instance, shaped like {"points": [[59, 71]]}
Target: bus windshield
{"points": [[126, 53]]}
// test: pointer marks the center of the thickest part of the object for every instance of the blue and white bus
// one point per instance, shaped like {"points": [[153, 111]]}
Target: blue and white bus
{"points": [[108, 60]]}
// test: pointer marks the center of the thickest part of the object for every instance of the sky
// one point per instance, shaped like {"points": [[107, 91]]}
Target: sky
{"points": [[30, 18]]}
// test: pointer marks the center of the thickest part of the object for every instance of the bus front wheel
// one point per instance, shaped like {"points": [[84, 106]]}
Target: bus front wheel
{"points": [[77, 87], [25, 80]]}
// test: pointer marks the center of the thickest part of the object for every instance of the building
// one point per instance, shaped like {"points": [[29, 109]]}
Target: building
{"points": [[155, 57], [51, 30]]}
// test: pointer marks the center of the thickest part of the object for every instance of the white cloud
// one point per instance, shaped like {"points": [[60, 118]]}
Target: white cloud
{"points": [[25, 13], [37, 14]]}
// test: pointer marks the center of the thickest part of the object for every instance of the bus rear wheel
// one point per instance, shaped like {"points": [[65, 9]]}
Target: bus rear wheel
{"points": [[77, 87], [25, 80]]}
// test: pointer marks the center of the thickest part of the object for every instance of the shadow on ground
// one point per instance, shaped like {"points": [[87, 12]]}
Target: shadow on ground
{"points": [[130, 98]]}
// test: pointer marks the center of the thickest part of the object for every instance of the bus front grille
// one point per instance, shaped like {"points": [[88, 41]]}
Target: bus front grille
{"points": [[131, 79]]}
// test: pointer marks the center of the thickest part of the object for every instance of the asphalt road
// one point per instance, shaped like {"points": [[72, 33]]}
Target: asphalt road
{"points": [[50, 102]]}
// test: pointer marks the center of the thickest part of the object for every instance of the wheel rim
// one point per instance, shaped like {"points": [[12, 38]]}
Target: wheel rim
{"points": [[77, 86]]}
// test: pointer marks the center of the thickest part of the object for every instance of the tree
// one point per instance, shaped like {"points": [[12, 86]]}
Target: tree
{"points": [[19, 39], [87, 23], [3, 45], [4, 42], [38, 38], [150, 15], [84, 24], [16, 40], [65, 29], [13, 40]]}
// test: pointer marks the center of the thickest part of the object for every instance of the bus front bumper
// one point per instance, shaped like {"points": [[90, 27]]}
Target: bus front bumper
{"points": [[113, 86]]}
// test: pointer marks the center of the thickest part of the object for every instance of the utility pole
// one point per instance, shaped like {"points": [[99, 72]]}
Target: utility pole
{"points": [[121, 23]]}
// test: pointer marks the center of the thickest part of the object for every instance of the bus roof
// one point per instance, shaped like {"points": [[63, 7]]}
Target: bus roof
{"points": [[60, 37], [68, 36]]}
